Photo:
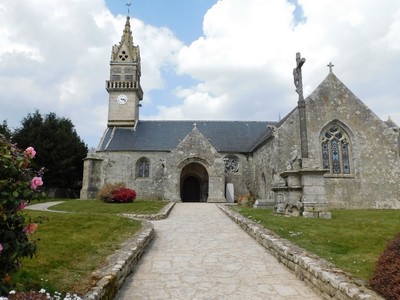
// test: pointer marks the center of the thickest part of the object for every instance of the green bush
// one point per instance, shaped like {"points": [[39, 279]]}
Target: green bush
{"points": [[386, 277]]}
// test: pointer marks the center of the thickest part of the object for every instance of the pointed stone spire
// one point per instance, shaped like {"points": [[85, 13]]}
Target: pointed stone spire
{"points": [[126, 52]]}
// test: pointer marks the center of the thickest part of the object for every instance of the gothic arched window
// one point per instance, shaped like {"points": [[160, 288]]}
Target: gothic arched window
{"points": [[336, 148], [142, 168]]}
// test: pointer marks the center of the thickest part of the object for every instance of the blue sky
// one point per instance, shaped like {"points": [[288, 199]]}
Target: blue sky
{"points": [[183, 16], [201, 59]]}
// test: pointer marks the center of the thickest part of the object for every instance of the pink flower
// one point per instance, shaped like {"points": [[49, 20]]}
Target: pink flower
{"points": [[36, 181], [30, 152], [22, 205], [1, 248], [30, 228]]}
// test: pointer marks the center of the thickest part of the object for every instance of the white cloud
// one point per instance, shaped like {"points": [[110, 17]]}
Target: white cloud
{"points": [[246, 56], [54, 56]]}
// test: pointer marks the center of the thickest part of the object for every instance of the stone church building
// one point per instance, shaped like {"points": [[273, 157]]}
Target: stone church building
{"points": [[331, 151]]}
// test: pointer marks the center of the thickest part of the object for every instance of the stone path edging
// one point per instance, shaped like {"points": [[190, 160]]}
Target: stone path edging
{"points": [[123, 261], [163, 214], [120, 265], [318, 273]]}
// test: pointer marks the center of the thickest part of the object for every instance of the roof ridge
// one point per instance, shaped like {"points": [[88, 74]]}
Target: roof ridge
{"points": [[274, 122]]}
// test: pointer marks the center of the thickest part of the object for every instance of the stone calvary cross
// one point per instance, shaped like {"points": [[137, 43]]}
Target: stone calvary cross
{"points": [[301, 104], [297, 76]]}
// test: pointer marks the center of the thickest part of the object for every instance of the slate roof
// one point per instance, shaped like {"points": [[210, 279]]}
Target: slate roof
{"points": [[225, 136]]}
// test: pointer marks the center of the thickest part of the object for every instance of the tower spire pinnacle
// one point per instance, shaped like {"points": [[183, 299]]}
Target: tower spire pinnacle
{"points": [[124, 87], [126, 51]]}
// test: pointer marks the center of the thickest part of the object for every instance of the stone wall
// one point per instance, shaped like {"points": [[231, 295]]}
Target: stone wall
{"points": [[120, 166], [271, 158], [92, 177], [374, 157], [241, 177], [321, 275], [374, 149], [123, 262], [120, 265], [195, 149]]}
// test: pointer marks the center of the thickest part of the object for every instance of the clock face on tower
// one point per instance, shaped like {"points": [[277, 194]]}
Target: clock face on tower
{"points": [[122, 99]]}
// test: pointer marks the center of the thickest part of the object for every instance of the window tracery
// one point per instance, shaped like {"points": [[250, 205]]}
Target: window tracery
{"points": [[231, 163], [335, 147], [143, 168]]}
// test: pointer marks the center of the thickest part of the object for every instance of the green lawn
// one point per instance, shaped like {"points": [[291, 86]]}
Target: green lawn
{"points": [[352, 239], [86, 206], [73, 245]]}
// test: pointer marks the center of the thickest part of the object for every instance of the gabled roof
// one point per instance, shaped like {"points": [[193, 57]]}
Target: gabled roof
{"points": [[225, 136]]}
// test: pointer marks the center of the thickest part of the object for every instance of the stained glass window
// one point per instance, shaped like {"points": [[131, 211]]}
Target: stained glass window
{"points": [[335, 147], [142, 168]]}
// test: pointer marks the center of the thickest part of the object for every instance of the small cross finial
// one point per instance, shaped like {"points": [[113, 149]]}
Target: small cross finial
{"points": [[195, 125], [330, 67], [128, 5]]}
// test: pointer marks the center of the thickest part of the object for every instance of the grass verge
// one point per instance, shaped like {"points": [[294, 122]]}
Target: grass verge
{"points": [[352, 239], [74, 244], [87, 206]]}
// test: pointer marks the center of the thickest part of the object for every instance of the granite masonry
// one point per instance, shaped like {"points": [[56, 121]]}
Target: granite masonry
{"points": [[331, 151]]}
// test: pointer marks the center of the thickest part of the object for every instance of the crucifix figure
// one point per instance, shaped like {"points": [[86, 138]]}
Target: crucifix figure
{"points": [[330, 67], [297, 77], [128, 5], [301, 104]]}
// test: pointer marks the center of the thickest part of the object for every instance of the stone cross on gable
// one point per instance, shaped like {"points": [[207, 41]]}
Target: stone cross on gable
{"points": [[194, 125], [330, 67]]}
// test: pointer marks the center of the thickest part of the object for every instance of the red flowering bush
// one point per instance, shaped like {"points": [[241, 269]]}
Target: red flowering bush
{"points": [[386, 277], [19, 183], [124, 195], [116, 193]]}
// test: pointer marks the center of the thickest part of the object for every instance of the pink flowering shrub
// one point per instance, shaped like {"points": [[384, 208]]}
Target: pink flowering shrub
{"points": [[19, 183], [36, 181]]}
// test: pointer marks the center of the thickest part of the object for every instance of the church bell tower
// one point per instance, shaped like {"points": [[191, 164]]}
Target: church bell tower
{"points": [[124, 87]]}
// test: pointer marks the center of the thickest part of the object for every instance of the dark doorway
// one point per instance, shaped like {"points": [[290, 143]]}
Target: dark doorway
{"points": [[191, 190], [194, 183]]}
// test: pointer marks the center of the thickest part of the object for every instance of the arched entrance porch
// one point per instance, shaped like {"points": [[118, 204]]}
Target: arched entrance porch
{"points": [[194, 183]]}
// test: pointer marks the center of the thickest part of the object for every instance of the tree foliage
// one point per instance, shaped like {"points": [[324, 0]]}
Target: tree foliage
{"points": [[60, 148], [5, 130]]}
